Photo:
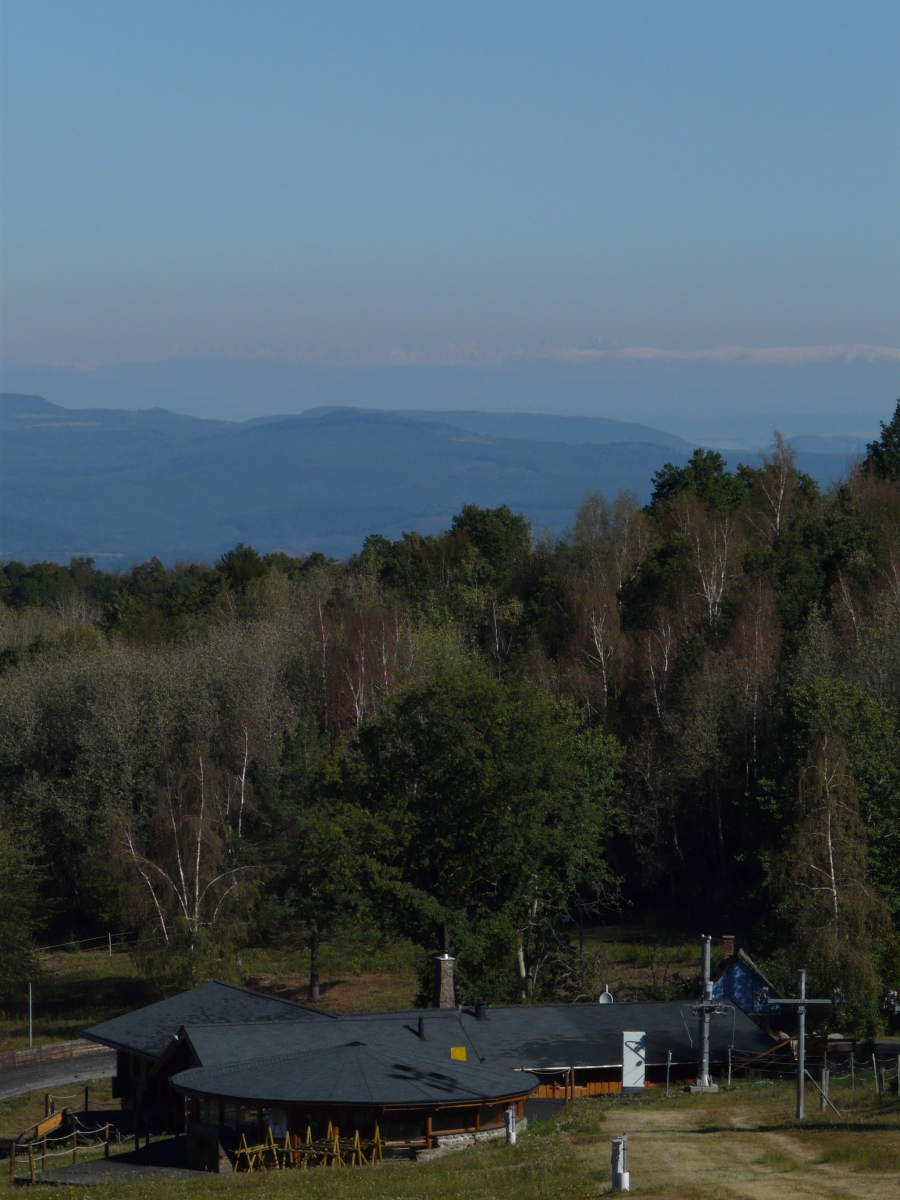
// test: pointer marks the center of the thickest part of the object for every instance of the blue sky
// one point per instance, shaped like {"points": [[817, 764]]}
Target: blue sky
{"points": [[444, 183]]}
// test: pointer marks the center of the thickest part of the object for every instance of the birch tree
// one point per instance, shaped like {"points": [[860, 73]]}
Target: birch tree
{"points": [[182, 859], [834, 912]]}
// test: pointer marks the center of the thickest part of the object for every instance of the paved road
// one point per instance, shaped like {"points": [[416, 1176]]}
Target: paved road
{"points": [[47, 1077]]}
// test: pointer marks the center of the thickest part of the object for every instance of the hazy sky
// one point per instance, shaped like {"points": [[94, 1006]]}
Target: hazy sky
{"points": [[440, 182]]}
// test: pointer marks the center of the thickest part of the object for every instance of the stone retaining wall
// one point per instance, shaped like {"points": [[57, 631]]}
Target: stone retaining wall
{"points": [[55, 1052]]}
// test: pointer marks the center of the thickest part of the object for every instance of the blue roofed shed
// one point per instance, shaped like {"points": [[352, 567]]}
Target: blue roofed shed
{"points": [[743, 984]]}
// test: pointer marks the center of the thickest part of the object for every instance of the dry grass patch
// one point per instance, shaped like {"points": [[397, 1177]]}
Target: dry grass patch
{"points": [[861, 1151], [369, 991]]}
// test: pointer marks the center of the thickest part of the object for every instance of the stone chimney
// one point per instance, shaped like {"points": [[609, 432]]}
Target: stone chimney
{"points": [[728, 945], [444, 992]]}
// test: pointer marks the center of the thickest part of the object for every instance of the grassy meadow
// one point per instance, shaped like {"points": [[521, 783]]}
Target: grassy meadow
{"points": [[358, 974], [743, 1143]]}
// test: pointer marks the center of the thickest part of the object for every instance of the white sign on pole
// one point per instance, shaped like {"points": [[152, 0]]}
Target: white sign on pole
{"points": [[633, 1059]]}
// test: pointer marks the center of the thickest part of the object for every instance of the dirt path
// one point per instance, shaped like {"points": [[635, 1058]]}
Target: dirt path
{"points": [[751, 1151]]}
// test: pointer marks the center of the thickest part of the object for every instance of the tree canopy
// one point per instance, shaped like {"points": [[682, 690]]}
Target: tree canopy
{"points": [[477, 738], [490, 808]]}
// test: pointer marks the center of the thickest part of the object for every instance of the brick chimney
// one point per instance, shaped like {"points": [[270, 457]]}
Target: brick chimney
{"points": [[728, 945], [444, 992]]}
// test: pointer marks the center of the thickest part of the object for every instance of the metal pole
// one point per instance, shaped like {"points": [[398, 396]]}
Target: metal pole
{"points": [[823, 1085], [703, 1073], [801, 1042], [729, 1066], [30, 1028], [668, 1069]]}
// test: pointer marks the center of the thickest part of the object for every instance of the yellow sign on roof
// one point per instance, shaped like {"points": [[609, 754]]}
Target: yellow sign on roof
{"points": [[458, 1052]]}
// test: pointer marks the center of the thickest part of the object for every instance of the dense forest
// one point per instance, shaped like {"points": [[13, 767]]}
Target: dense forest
{"points": [[685, 715]]}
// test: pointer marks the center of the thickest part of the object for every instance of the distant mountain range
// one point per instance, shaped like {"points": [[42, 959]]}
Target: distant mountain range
{"points": [[125, 485], [717, 403]]}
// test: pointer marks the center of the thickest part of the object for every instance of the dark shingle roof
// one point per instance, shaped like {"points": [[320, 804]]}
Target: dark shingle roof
{"points": [[581, 1035], [230, 1025], [148, 1031], [515, 1036], [359, 1074]]}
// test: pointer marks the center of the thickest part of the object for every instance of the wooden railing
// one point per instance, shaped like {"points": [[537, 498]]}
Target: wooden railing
{"points": [[330, 1151]]}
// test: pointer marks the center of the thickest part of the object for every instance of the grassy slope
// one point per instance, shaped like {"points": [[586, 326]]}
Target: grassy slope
{"points": [[358, 974], [742, 1143]]}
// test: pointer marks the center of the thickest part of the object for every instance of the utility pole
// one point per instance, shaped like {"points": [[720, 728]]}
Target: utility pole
{"points": [[706, 1008], [801, 1003]]}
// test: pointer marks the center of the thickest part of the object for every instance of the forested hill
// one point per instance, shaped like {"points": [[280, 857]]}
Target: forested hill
{"points": [[124, 486], [684, 714]]}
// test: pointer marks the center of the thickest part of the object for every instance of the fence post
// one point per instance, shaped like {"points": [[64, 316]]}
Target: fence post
{"points": [[823, 1085], [46, 1104], [881, 1083], [729, 1066], [12, 1162], [853, 1067], [87, 1091], [44, 1155], [106, 1141], [31, 1160], [75, 1146], [620, 1179], [668, 1069]]}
